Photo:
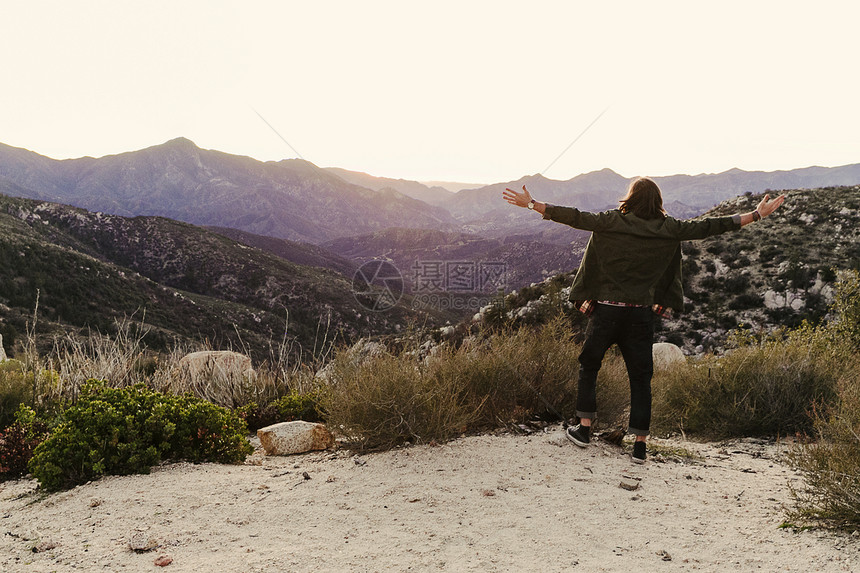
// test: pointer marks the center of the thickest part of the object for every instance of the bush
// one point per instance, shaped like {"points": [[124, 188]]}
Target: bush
{"points": [[257, 416], [390, 400], [846, 307], [831, 466], [122, 431], [760, 388], [18, 441], [298, 406], [295, 405], [504, 378], [20, 386], [745, 301]]}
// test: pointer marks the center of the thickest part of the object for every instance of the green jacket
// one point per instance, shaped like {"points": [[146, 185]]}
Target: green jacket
{"points": [[634, 260]]}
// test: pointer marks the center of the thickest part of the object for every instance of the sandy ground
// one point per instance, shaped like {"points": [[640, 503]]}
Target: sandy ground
{"points": [[485, 503]]}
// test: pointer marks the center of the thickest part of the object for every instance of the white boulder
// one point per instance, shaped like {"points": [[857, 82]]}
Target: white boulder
{"points": [[298, 437], [2, 350], [666, 354], [215, 375]]}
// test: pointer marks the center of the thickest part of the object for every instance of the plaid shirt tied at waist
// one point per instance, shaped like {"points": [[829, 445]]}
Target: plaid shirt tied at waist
{"points": [[587, 307]]}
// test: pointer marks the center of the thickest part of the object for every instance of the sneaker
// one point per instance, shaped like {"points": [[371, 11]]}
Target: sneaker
{"points": [[638, 452], [579, 435]]}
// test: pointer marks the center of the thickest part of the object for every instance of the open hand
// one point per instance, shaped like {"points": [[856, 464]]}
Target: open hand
{"points": [[768, 205], [519, 199]]}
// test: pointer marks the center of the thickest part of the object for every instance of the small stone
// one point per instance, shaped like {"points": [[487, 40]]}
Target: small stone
{"points": [[95, 502], [306, 475], [664, 555], [44, 546], [141, 543], [163, 561], [629, 484]]}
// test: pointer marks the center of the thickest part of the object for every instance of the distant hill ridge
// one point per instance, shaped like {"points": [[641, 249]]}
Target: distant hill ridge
{"points": [[296, 200], [290, 199]]}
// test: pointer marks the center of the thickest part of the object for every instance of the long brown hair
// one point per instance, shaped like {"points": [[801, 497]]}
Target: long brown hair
{"points": [[643, 200]]}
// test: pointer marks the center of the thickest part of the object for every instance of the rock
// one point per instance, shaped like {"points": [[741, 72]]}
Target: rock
{"points": [[298, 437], [44, 546], [666, 354], [558, 438], [214, 375], [140, 542], [163, 561], [2, 350], [629, 484]]}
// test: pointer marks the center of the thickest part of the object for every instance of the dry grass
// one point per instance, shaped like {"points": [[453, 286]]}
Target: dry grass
{"points": [[489, 382], [831, 465], [759, 389]]}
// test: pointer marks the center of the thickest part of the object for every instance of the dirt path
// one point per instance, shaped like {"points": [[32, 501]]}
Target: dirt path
{"points": [[486, 503]]}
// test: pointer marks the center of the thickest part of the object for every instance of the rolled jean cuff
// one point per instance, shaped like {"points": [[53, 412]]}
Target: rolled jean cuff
{"points": [[588, 415], [637, 432]]}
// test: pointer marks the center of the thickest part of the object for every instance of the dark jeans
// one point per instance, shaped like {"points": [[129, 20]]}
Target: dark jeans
{"points": [[632, 329]]}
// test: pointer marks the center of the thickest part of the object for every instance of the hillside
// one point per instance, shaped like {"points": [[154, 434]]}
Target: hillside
{"points": [[91, 269], [776, 272], [293, 251]]}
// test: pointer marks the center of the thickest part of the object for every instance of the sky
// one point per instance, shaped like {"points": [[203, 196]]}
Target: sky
{"points": [[457, 91]]}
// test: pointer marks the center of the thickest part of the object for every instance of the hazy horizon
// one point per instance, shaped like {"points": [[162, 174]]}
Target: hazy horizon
{"points": [[445, 184]]}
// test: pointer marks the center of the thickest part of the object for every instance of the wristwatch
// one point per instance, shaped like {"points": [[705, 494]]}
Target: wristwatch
{"points": [[531, 205]]}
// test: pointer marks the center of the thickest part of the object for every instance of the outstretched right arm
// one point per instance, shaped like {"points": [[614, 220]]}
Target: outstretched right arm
{"points": [[523, 199]]}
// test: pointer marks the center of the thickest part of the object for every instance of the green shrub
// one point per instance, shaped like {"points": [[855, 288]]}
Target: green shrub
{"points": [[257, 416], [18, 441], [295, 405], [298, 406], [205, 432], [831, 466], [123, 431]]}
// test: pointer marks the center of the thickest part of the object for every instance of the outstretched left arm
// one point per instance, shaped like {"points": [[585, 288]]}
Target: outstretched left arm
{"points": [[765, 208]]}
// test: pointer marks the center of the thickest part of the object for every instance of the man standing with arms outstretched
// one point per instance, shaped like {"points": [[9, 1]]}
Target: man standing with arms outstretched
{"points": [[631, 270]]}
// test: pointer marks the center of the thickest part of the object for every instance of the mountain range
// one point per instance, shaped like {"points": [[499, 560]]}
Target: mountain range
{"points": [[301, 225], [291, 199], [294, 199]]}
